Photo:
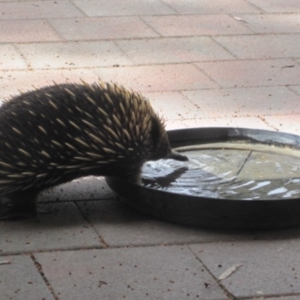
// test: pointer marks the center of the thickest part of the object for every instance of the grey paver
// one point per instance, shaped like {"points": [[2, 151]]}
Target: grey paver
{"points": [[19, 31], [10, 58], [240, 122], [245, 73], [295, 88], [102, 28], [137, 273], [20, 280], [61, 228], [211, 7], [268, 267], [14, 82], [262, 46], [285, 298], [86, 188], [271, 23], [38, 10], [196, 25], [257, 101], [187, 49], [120, 226], [153, 78], [287, 123], [167, 105], [72, 55], [285, 6], [123, 8]]}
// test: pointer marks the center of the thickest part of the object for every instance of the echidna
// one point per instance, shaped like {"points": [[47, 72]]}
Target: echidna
{"points": [[62, 132]]}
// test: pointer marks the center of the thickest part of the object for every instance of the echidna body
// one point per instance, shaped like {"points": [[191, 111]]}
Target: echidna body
{"points": [[58, 133]]}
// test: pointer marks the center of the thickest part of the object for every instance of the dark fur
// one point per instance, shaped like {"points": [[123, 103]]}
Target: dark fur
{"points": [[58, 133]]}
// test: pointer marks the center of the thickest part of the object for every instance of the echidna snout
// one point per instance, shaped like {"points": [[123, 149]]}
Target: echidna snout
{"points": [[62, 132]]}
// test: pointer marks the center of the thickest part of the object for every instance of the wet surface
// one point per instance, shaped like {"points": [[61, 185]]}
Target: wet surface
{"points": [[229, 170]]}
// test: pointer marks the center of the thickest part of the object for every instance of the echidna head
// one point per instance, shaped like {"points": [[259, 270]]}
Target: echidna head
{"points": [[160, 142]]}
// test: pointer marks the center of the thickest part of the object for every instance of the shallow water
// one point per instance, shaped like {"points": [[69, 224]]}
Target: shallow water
{"points": [[229, 171]]}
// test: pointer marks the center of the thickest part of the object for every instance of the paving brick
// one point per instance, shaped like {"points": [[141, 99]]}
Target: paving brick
{"points": [[72, 55], [86, 188], [20, 280], [13, 81], [211, 7], [61, 228], [158, 78], [268, 267], [287, 123], [196, 25], [284, 6], [173, 50], [102, 28], [38, 10], [261, 101], [272, 23], [119, 226], [10, 58], [247, 73], [25, 31], [295, 88], [173, 105], [140, 273], [262, 46], [123, 8], [284, 298], [241, 122]]}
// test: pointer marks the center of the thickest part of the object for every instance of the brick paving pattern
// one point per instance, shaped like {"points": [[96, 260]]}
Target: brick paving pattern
{"points": [[201, 63]]}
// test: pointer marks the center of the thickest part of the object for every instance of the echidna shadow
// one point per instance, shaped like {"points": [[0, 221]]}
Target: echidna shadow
{"points": [[58, 133]]}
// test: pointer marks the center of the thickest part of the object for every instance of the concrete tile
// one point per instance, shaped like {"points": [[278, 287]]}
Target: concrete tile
{"points": [[295, 88], [173, 105], [10, 58], [285, 298], [273, 6], [157, 78], [262, 46], [287, 123], [72, 55], [102, 28], [196, 25], [211, 7], [62, 228], [272, 23], [137, 273], [12, 82], [247, 73], [173, 50], [241, 122], [38, 10], [25, 31], [120, 226], [123, 8], [268, 267], [258, 101], [20, 280], [86, 188]]}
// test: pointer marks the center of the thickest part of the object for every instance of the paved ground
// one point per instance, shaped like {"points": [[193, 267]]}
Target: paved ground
{"points": [[201, 63]]}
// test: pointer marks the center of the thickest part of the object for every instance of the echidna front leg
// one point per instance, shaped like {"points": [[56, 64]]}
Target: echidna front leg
{"points": [[21, 205]]}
